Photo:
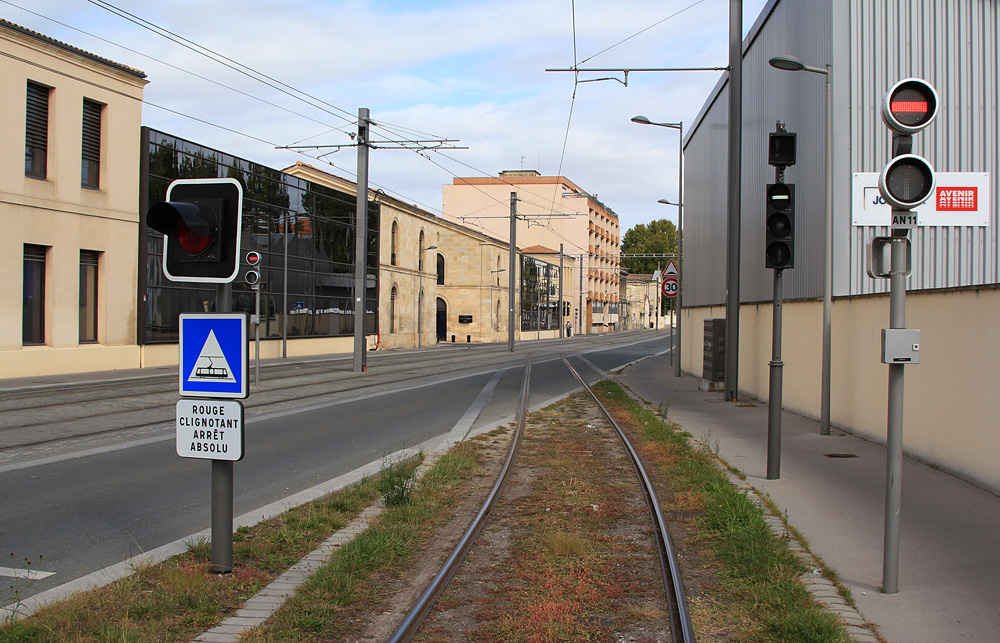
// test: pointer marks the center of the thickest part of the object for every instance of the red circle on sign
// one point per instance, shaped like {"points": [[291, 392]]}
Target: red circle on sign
{"points": [[669, 287]]}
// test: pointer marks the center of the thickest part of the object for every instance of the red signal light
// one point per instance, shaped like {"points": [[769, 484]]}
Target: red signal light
{"points": [[909, 107], [192, 241]]}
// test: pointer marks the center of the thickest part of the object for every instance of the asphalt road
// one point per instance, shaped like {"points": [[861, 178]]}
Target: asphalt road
{"points": [[86, 506]]}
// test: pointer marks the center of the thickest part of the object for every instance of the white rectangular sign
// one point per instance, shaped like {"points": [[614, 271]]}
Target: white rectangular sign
{"points": [[959, 199], [210, 429]]}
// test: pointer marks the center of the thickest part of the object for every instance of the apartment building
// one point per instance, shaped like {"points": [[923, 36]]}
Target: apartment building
{"points": [[70, 211], [552, 212]]}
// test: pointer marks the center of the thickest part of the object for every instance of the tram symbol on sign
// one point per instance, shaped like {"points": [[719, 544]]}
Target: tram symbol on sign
{"points": [[211, 363]]}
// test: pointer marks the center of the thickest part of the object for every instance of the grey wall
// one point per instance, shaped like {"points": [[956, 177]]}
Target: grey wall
{"points": [[952, 44], [870, 45]]}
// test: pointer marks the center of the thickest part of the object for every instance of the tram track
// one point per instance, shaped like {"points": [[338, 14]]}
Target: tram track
{"points": [[30, 418], [680, 627]]}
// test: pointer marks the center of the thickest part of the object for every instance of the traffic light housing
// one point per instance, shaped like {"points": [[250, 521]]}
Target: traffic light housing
{"points": [[780, 221], [907, 108], [781, 149], [201, 223]]}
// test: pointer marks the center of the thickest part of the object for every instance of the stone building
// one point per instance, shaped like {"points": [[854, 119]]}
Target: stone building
{"points": [[439, 281], [70, 211]]}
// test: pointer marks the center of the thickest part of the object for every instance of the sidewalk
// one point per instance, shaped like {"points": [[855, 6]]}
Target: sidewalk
{"points": [[949, 566]]}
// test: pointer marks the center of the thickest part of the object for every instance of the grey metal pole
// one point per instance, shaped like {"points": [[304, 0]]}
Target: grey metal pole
{"points": [[733, 236], [579, 331], [284, 297], [562, 332], [513, 270], [824, 421], [656, 295], [775, 388], [894, 432], [256, 339], [361, 243], [222, 478], [680, 242]]}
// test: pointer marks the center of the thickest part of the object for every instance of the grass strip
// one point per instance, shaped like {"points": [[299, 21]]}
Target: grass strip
{"points": [[177, 599], [342, 593], [758, 589]]}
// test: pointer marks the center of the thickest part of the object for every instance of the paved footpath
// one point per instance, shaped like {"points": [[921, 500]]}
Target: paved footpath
{"points": [[949, 567]]}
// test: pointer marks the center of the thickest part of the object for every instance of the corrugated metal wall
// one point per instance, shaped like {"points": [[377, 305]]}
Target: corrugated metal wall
{"points": [[952, 44], [802, 29]]}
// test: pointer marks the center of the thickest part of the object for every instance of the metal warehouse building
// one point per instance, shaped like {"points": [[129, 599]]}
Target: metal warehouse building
{"points": [[952, 395]]}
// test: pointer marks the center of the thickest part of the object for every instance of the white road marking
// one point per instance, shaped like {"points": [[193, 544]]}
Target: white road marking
{"points": [[31, 574]]}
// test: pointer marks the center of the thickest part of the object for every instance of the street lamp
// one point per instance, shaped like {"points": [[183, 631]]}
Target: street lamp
{"points": [[791, 63], [642, 120], [420, 293], [493, 272]]}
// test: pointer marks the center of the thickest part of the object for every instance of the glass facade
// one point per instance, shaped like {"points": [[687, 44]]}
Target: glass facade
{"points": [[539, 295], [303, 231]]}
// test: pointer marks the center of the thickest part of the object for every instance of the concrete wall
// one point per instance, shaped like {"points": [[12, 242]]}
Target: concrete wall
{"points": [[951, 401]]}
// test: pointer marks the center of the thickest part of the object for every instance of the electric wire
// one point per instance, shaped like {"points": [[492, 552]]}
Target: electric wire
{"points": [[655, 24], [167, 64]]}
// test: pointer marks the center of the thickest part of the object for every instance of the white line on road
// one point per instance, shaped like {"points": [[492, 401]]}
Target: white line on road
{"points": [[31, 574]]}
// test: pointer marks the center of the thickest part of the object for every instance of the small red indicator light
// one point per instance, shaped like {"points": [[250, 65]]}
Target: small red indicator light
{"points": [[909, 107]]}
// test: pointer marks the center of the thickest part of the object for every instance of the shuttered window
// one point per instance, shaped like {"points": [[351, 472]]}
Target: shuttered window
{"points": [[36, 136], [90, 171]]}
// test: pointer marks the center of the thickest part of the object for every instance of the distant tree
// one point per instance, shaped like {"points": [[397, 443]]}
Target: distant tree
{"points": [[658, 236]]}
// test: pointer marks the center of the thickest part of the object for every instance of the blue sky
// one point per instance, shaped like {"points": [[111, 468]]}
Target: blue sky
{"points": [[471, 70]]}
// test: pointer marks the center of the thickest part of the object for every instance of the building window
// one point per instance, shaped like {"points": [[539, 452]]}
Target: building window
{"points": [[392, 310], [440, 269], [90, 170], [33, 310], [36, 134], [88, 296], [395, 231]]}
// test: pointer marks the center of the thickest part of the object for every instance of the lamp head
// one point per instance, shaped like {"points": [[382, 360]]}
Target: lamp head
{"points": [[787, 63]]}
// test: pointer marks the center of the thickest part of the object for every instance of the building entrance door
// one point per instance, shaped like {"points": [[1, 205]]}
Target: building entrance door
{"points": [[442, 320]]}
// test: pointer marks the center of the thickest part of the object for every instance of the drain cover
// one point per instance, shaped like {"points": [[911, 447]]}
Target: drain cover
{"points": [[840, 455]]}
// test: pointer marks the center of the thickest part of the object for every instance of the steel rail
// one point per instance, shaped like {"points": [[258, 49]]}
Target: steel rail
{"points": [[680, 620], [413, 620]]}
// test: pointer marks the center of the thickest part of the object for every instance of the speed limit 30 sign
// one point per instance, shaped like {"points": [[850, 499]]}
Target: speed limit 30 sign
{"points": [[669, 287]]}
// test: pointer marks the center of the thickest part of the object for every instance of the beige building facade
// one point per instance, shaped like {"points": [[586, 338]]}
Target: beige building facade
{"points": [[641, 303], [556, 211], [439, 281], [69, 297]]}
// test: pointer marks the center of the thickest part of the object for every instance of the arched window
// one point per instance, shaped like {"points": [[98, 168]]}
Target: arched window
{"points": [[392, 241], [392, 309], [420, 253], [440, 269]]}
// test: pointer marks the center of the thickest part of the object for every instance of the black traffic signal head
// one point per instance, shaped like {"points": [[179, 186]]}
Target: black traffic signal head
{"points": [[906, 181], [909, 106], [781, 149], [779, 250], [200, 222]]}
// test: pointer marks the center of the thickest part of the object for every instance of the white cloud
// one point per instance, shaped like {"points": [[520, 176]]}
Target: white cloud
{"points": [[471, 70]]}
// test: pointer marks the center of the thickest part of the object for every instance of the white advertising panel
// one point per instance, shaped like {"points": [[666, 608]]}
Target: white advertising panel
{"points": [[959, 199]]}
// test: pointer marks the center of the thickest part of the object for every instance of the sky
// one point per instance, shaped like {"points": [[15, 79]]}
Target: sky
{"points": [[472, 71]]}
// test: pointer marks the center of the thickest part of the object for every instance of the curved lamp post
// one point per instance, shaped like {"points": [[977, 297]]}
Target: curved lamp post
{"points": [[420, 292], [791, 63], [642, 120]]}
